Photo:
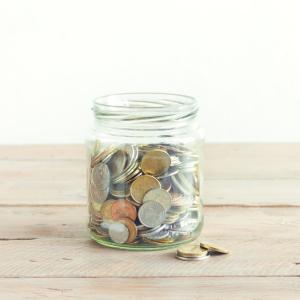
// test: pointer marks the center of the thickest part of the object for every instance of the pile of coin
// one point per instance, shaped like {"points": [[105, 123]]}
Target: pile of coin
{"points": [[194, 252], [144, 194]]}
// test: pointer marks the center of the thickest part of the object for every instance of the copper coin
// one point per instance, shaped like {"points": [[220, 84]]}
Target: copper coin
{"points": [[122, 208], [141, 186], [131, 228], [155, 162]]}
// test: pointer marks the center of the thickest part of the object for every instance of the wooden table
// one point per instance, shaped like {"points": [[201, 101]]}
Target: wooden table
{"points": [[252, 198]]}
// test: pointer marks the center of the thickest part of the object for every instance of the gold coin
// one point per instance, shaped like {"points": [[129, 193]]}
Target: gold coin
{"points": [[155, 162], [191, 251], [213, 248], [141, 186], [106, 210]]}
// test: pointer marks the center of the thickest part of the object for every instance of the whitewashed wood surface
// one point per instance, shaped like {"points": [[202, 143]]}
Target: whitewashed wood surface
{"points": [[252, 195]]}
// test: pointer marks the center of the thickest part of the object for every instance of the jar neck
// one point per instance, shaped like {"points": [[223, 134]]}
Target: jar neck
{"points": [[146, 116]]}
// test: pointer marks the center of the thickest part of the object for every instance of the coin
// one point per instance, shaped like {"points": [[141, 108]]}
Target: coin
{"points": [[155, 162], [144, 231], [101, 176], [103, 156], [117, 163], [120, 190], [118, 232], [213, 248], [159, 195], [122, 208], [131, 228], [98, 195], [191, 258], [157, 236], [141, 186], [166, 184], [106, 209], [131, 164], [191, 251], [152, 214], [182, 184]]}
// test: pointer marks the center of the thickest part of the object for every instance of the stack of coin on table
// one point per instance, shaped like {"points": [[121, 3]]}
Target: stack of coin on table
{"points": [[194, 252], [144, 194]]}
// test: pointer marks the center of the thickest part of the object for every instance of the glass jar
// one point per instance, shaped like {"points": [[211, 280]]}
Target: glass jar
{"points": [[145, 171]]}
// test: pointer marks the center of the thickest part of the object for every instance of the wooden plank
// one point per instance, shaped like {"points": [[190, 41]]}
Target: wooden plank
{"points": [[53, 242], [56, 182], [252, 192], [39, 189], [252, 161], [222, 161], [43, 152], [209, 288]]}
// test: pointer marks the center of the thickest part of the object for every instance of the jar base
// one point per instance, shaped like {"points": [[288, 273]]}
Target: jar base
{"points": [[138, 247]]}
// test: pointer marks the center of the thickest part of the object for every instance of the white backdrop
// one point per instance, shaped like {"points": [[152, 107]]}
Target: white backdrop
{"points": [[240, 58]]}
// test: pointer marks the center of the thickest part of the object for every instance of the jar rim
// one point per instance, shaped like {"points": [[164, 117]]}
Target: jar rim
{"points": [[116, 97], [146, 114]]}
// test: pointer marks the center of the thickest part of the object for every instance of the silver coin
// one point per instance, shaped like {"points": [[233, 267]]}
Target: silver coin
{"points": [[132, 166], [120, 190], [144, 231], [192, 258], [159, 195], [182, 184], [98, 195], [158, 236], [101, 176], [117, 163], [118, 233], [152, 214]]}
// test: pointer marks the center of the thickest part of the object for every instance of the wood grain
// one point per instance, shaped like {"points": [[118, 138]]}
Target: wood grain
{"points": [[208, 288], [53, 242], [253, 207], [44, 175], [222, 161]]}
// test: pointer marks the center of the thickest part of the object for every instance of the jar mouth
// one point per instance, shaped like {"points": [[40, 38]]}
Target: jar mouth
{"points": [[145, 114]]}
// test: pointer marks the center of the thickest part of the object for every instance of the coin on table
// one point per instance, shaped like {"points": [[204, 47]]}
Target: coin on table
{"points": [[191, 258], [106, 210], [141, 185], [118, 232], [213, 248], [159, 195], [155, 162], [103, 156], [122, 208], [131, 228], [101, 176], [117, 163], [152, 214], [191, 251]]}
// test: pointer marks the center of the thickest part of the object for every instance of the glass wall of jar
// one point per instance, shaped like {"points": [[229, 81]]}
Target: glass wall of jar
{"points": [[144, 177]]}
